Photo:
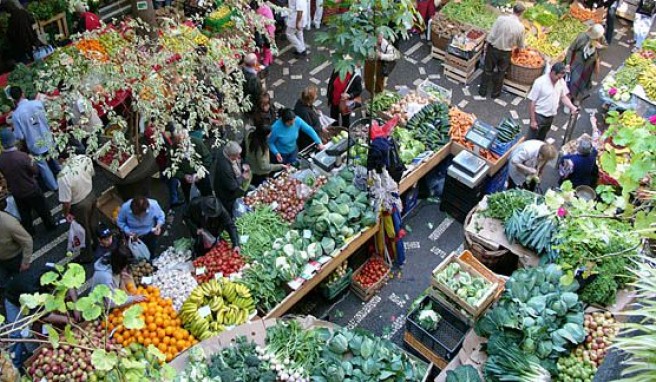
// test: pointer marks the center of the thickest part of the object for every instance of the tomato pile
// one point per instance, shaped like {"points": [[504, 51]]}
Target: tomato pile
{"points": [[220, 259], [163, 329], [374, 270], [111, 154]]}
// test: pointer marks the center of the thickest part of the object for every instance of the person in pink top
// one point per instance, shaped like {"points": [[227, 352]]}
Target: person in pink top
{"points": [[265, 56]]}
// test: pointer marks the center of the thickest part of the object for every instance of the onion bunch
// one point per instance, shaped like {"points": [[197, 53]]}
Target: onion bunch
{"points": [[283, 194]]}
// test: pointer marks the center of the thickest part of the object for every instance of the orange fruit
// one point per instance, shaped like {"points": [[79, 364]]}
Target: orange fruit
{"points": [[155, 341], [168, 329], [152, 327], [166, 340]]}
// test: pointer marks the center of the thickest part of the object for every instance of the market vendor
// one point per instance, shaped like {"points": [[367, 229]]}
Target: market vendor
{"points": [[507, 34], [580, 168], [113, 271], [207, 214], [527, 163], [88, 21], [284, 134], [545, 96], [231, 177], [142, 218]]}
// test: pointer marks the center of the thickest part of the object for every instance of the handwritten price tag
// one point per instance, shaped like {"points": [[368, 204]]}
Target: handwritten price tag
{"points": [[200, 271], [146, 280], [204, 311]]}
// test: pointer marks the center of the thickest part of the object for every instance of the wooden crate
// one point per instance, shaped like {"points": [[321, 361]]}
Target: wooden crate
{"points": [[124, 169], [460, 70], [438, 53], [368, 293], [516, 88], [460, 76], [470, 264], [420, 348], [59, 21]]}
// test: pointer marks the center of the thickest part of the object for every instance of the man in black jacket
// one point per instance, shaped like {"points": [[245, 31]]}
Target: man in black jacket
{"points": [[231, 178], [207, 214]]}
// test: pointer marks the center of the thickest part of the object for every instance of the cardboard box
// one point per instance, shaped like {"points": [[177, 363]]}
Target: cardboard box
{"points": [[108, 202]]}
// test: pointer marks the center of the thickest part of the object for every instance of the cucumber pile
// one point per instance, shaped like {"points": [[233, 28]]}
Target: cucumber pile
{"points": [[431, 125], [507, 130]]}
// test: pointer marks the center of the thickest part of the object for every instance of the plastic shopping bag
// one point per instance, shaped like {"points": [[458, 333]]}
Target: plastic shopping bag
{"points": [[208, 239], [139, 249], [76, 237]]}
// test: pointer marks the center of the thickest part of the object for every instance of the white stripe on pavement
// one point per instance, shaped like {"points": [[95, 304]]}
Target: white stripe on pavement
{"points": [[46, 248], [53, 212]]}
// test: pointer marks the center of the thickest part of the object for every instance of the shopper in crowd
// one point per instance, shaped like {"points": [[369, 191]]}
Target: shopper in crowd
{"points": [[582, 60], [15, 246], [527, 163], [106, 242], [258, 155], [318, 13], [231, 177], [265, 111], [163, 163], [296, 20], [31, 126], [546, 94], [21, 36], [346, 90], [507, 34], [78, 199], [252, 84], [113, 271], [306, 110], [208, 214], [21, 173], [644, 18], [284, 135], [611, 10], [142, 218], [385, 58], [157, 4], [87, 21], [186, 173], [265, 55], [580, 168], [29, 282]]}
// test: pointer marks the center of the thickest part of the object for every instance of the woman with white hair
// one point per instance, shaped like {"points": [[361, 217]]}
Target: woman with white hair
{"points": [[583, 60], [88, 21], [231, 177]]}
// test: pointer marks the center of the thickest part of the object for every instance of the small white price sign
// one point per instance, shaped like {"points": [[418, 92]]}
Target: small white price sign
{"points": [[204, 311], [274, 206], [307, 234], [147, 280], [200, 271], [244, 239], [218, 275]]}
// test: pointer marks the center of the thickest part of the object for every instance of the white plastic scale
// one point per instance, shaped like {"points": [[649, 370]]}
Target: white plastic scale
{"points": [[468, 168]]}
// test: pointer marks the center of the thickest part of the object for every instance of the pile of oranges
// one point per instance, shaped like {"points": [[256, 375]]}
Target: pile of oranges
{"points": [[163, 329]]}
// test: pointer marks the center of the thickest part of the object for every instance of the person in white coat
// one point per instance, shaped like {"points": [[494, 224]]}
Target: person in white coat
{"points": [[297, 12]]}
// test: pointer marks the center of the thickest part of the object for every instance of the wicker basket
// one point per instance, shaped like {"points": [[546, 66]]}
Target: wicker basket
{"points": [[488, 257], [524, 75], [440, 42]]}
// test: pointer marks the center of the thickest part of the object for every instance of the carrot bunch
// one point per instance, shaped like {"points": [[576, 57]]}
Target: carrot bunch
{"points": [[527, 58], [92, 49], [585, 14], [461, 122]]}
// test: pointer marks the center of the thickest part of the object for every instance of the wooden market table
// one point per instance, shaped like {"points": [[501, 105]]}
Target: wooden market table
{"points": [[423, 168], [346, 251]]}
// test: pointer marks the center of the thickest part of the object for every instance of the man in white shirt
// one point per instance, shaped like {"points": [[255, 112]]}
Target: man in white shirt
{"points": [[78, 199], [295, 23], [545, 96]]}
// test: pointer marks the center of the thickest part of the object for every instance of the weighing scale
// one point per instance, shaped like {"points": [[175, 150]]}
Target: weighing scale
{"points": [[465, 180]]}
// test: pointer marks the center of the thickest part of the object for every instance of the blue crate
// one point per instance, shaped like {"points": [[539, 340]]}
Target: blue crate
{"points": [[410, 199], [502, 148], [497, 182]]}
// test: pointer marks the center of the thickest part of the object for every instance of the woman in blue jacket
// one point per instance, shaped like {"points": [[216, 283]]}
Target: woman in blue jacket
{"points": [[284, 133]]}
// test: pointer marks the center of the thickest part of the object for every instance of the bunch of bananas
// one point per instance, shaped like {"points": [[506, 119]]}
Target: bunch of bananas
{"points": [[214, 305], [631, 120], [648, 81], [637, 60]]}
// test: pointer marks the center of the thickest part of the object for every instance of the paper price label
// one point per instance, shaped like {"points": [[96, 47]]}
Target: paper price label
{"points": [[243, 239], [200, 271], [204, 311], [147, 280], [307, 234], [274, 206], [218, 275]]}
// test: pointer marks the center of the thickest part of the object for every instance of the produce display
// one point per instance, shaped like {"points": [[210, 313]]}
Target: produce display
{"points": [[241, 362], [430, 126], [542, 14], [162, 329], [428, 318], [383, 101], [472, 289], [502, 205], [435, 92], [221, 259], [337, 211], [572, 369], [400, 108], [600, 330], [147, 359], [559, 38], [507, 130], [287, 192], [533, 227], [584, 14], [214, 305], [175, 255], [374, 270], [409, 147], [618, 86], [471, 12], [175, 284], [460, 123], [293, 251], [113, 157], [538, 317], [648, 81], [446, 28], [337, 275], [140, 270], [70, 364], [258, 229], [528, 58], [92, 49]]}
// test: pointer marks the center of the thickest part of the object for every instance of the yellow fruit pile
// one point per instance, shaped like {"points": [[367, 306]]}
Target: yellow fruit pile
{"points": [[648, 81]]}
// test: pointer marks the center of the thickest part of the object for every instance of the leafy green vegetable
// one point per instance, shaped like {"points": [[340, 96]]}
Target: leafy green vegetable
{"points": [[463, 373], [502, 205]]}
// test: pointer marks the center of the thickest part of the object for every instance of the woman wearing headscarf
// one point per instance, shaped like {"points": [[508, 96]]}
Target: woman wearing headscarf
{"points": [[231, 178], [583, 60]]}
